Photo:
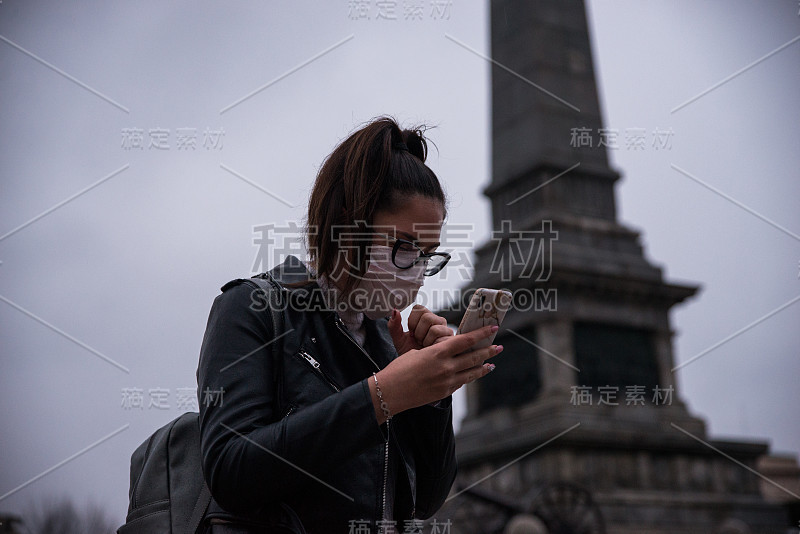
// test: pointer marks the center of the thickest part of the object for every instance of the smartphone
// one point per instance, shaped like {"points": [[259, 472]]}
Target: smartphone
{"points": [[487, 307]]}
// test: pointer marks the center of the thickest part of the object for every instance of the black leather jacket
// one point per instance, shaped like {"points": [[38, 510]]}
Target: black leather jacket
{"points": [[309, 439]]}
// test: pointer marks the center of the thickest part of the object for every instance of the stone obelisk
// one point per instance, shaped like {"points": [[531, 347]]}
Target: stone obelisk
{"points": [[582, 426]]}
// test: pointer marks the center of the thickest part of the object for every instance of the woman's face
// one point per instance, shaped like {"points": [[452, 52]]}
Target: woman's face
{"points": [[419, 220]]}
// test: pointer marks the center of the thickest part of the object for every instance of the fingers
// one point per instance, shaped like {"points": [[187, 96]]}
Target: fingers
{"points": [[413, 318], [475, 358], [395, 326], [421, 321], [457, 344], [437, 333], [472, 374]]}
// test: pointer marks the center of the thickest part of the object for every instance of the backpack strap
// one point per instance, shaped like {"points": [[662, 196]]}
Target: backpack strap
{"points": [[273, 290], [200, 507]]}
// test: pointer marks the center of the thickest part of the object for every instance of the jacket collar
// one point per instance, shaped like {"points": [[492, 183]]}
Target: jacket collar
{"points": [[294, 270], [290, 271]]}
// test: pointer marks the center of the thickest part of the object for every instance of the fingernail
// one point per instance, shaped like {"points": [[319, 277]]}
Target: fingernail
{"points": [[498, 349], [491, 367], [495, 328]]}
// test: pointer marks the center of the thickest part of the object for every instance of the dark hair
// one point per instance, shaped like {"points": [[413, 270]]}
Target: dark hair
{"points": [[370, 171]]}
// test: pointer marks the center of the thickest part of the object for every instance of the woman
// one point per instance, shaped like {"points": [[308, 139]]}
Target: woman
{"points": [[341, 421]]}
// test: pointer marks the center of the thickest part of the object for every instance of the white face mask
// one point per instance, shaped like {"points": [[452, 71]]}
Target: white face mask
{"points": [[384, 286]]}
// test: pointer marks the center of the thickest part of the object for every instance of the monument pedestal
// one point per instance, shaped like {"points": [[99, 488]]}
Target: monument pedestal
{"points": [[645, 469]]}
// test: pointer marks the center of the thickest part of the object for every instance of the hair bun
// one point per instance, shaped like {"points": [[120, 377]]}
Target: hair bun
{"points": [[415, 143]]}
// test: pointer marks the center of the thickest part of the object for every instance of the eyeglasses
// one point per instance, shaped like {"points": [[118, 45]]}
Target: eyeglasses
{"points": [[406, 254]]}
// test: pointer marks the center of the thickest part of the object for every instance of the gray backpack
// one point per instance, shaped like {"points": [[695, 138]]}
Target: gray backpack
{"points": [[168, 494]]}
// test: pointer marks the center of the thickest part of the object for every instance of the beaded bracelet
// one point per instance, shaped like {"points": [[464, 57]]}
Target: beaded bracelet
{"points": [[384, 406]]}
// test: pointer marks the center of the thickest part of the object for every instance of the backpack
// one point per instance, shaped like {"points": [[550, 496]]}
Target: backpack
{"points": [[168, 494]]}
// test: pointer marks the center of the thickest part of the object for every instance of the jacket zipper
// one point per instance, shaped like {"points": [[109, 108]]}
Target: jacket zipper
{"points": [[317, 369], [343, 329]]}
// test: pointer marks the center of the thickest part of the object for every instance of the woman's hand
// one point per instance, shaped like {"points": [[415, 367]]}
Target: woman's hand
{"points": [[422, 376], [424, 329]]}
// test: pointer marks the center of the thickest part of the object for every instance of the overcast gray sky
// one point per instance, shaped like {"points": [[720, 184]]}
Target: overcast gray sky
{"points": [[112, 255]]}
